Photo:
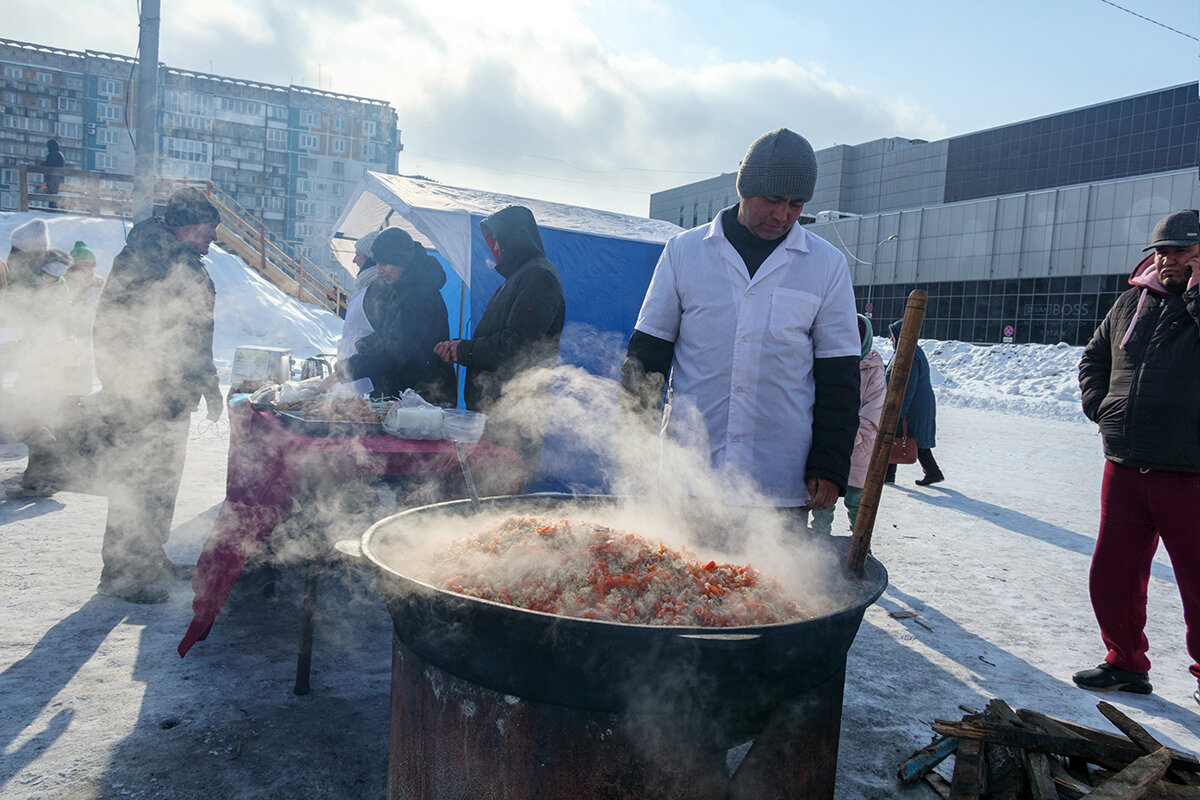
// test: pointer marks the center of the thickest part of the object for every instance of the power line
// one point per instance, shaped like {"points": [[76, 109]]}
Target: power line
{"points": [[1147, 19]]}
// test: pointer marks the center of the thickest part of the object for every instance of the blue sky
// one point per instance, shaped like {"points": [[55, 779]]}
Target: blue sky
{"points": [[601, 103]]}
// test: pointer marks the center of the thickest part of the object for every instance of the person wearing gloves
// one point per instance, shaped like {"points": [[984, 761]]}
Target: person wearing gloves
{"points": [[918, 414], [1139, 381], [405, 308], [516, 338], [753, 318], [871, 394], [39, 306], [153, 340]]}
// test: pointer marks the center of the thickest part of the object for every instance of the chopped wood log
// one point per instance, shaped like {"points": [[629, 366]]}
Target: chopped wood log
{"points": [[1006, 767], [1133, 782], [1069, 786], [1102, 737], [1139, 736], [967, 782], [938, 784], [924, 760], [1041, 780], [1113, 755], [1005, 772]]}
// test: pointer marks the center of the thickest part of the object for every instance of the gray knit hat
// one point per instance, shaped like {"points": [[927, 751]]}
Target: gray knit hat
{"points": [[189, 206], [1181, 229], [363, 245], [779, 164]]}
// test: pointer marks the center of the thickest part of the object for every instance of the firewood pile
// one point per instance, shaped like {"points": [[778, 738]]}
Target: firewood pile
{"points": [[1003, 754]]}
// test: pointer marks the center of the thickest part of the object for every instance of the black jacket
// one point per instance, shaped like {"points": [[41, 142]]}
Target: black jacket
{"points": [[153, 335], [409, 318], [519, 331], [1145, 396]]}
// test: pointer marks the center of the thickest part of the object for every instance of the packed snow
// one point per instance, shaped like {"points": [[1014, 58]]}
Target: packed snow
{"points": [[96, 703]]}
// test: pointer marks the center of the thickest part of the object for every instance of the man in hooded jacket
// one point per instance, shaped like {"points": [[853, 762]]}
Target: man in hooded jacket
{"points": [[405, 308], [1140, 382], [516, 338], [153, 339]]}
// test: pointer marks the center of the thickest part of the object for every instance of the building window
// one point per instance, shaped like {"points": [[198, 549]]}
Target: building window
{"points": [[338, 189], [72, 82], [369, 127], [308, 119], [369, 151], [45, 77], [307, 164], [104, 161], [12, 97], [236, 106], [45, 102], [339, 123], [303, 185], [339, 146], [185, 149], [108, 136], [107, 111], [306, 208], [108, 87], [69, 104], [277, 112], [13, 72], [277, 139], [70, 130], [309, 141]]}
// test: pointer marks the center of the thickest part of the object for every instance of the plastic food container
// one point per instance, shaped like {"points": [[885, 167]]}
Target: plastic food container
{"points": [[462, 426]]}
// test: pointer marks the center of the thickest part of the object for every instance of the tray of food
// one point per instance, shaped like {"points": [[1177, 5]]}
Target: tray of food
{"points": [[334, 416]]}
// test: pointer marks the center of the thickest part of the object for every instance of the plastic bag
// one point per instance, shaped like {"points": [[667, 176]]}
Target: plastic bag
{"points": [[410, 417]]}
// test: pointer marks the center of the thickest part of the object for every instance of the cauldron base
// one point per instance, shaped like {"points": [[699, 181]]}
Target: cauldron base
{"points": [[454, 739]]}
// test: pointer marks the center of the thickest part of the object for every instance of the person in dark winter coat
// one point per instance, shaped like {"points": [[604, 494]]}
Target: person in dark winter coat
{"points": [[516, 338], [404, 305], [153, 339], [54, 158], [1140, 382], [919, 413]]}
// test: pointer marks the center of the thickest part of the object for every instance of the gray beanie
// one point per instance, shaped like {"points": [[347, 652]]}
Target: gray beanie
{"points": [[363, 245], [779, 164]]}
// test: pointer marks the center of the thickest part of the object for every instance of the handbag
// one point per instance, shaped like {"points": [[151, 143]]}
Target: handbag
{"points": [[904, 447]]}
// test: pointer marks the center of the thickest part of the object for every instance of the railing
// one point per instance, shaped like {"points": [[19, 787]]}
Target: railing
{"points": [[103, 194]]}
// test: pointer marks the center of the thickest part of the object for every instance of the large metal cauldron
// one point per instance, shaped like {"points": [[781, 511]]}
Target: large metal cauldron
{"points": [[723, 683]]}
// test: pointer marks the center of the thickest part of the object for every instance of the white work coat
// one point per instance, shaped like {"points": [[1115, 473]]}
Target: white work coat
{"points": [[744, 350]]}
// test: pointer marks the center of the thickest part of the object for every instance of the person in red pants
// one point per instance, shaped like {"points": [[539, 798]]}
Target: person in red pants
{"points": [[1140, 382]]}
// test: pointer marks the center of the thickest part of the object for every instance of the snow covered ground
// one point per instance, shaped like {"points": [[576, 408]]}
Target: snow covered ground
{"points": [[96, 703]]}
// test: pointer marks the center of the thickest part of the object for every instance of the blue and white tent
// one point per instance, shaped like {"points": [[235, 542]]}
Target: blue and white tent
{"points": [[604, 259]]}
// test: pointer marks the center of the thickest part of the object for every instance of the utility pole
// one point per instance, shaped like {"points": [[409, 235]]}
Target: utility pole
{"points": [[145, 147]]}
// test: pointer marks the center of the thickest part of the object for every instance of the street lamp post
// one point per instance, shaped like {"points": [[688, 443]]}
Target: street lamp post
{"points": [[874, 254]]}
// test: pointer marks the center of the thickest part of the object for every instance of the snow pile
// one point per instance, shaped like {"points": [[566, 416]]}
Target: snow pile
{"points": [[1037, 380]]}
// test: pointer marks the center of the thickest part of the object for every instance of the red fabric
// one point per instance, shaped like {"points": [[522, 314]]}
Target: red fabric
{"points": [[1136, 510], [270, 463]]}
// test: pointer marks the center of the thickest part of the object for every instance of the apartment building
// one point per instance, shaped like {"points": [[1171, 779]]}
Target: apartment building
{"points": [[290, 155]]}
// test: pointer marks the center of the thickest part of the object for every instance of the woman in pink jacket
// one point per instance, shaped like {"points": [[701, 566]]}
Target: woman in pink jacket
{"points": [[871, 393]]}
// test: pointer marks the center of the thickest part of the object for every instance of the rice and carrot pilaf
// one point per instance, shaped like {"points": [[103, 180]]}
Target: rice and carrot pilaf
{"points": [[581, 569]]}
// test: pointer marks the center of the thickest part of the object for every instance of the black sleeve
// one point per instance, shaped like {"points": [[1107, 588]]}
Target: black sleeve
{"points": [[835, 419], [644, 372], [1095, 367]]}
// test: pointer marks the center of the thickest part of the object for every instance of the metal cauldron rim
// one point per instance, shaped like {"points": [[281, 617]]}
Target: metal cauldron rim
{"points": [[874, 570]]}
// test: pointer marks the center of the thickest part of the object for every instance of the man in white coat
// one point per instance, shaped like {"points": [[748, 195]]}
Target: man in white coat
{"points": [[757, 317]]}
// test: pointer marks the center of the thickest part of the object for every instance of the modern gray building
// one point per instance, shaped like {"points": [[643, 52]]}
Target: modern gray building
{"points": [[1034, 225], [289, 155]]}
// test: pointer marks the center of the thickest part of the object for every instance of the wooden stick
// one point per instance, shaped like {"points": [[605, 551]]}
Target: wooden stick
{"points": [[906, 348], [1138, 735], [922, 762], [1112, 755], [1133, 781]]}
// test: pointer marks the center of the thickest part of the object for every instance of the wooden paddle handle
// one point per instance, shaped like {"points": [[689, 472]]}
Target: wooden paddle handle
{"points": [[906, 348]]}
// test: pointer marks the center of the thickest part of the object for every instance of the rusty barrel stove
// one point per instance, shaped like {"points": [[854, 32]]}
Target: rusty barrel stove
{"points": [[490, 701]]}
